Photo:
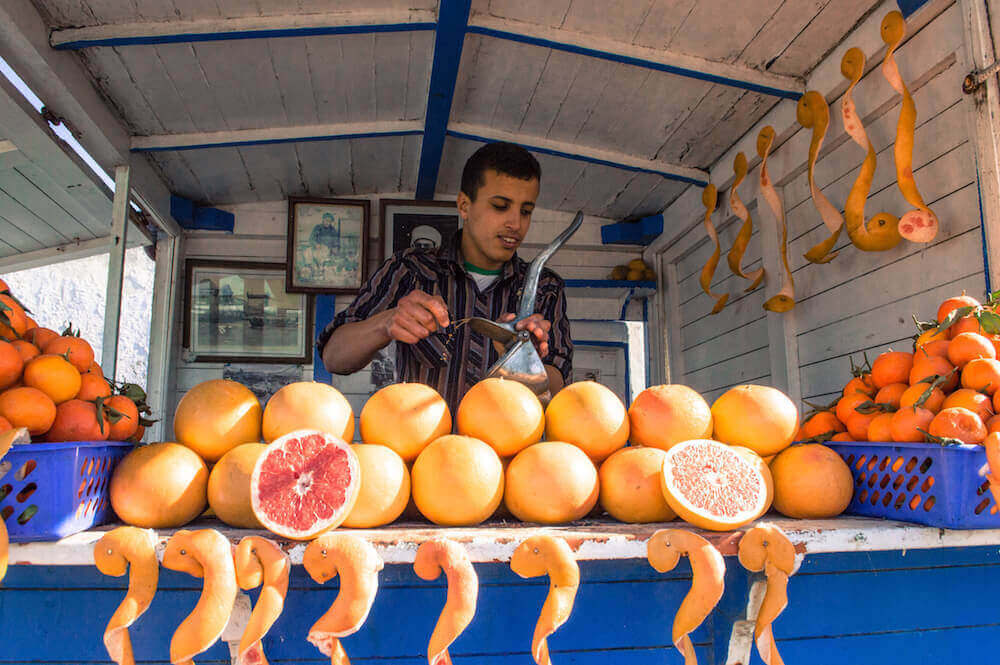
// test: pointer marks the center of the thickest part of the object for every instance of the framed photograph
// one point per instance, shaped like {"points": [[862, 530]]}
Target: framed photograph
{"points": [[416, 224], [327, 245], [241, 312]]}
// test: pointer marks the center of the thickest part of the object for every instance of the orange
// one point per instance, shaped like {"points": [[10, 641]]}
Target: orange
{"points": [[77, 348], [505, 414], [928, 336], [933, 402], [406, 417], [951, 304], [28, 407], [820, 423], [27, 350], [811, 481], [159, 486], [93, 386], [385, 487], [589, 416], [958, 423], [982, 375], [552, 482], [891, 367], [992, 425], [968, 324], [77, 420], [664, 415], [860, 384], [969, 346], [55, 376], [127, 425], [846, 406], [5, 425], [928, 367], [11, 364], [307, 405], [95, 369], [760, 418], [978, 403], [906, 424], [891, 394], [16, 318], [858, 423], [40, 336], [216, 416], [630, 486], [880, 428], [938, 347], [457, 481], [841, 436], [229, 486]]}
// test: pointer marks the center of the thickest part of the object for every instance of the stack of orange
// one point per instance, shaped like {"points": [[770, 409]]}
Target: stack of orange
{"points": [[945, 390], [50, 384]]}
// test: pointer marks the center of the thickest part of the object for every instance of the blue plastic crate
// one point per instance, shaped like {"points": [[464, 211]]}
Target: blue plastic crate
{"points": [[920, 482], [52, 490]]}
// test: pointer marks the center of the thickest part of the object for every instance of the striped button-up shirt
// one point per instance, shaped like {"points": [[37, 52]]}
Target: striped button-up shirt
{"points": [[453, 359]]}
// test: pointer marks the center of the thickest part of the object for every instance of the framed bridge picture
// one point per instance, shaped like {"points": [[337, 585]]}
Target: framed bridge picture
{"points": [[327, 245]]}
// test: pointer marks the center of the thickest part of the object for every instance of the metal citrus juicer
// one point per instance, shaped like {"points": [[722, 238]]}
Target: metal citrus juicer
{"points": [[520, 360]]}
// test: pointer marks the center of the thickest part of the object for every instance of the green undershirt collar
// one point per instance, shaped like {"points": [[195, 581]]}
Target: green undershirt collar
{"points": [[479, 271]]}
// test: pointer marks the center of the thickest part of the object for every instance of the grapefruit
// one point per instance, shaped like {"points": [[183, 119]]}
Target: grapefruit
{"points": [[308, 405], [505, 414], [216, 416], [552, 482], [159, 486], [405, 417], [630, 486], [385, 487], [229, 486], [712, 485], [589, 416], [811, 481], [457, 481], [304, 483], [664, 415], [760, 418]]}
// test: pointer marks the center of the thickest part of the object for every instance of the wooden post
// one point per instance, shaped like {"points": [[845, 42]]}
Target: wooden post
{"points": [[116, 268], [674, 356], [166, 298]]}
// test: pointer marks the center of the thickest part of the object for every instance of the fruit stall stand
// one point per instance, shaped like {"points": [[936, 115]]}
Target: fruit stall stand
{"points": [[680, 130]]}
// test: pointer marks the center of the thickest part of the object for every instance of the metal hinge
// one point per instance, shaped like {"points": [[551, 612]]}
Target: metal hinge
{"points": [[978, 77]]}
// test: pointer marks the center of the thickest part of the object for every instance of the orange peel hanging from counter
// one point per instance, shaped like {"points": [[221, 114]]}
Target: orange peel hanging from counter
{"points": [[433, 557], [735, 256], [208, 554], [813, 113], [709, 198], [7, 439], [708, 571], [784, 299], [766, 548], [547, 555], [131, 550], [261, 563], [921, 224], [358, 565]]}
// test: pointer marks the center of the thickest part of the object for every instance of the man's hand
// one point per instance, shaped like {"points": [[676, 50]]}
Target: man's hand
{"points": [[537, 326], [417, 315]]}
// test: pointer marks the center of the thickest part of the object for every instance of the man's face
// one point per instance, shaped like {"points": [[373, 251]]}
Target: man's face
{"points": [[496, 223]]}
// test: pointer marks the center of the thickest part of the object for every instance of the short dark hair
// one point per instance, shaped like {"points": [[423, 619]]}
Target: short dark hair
{"points": [[506, 158]]}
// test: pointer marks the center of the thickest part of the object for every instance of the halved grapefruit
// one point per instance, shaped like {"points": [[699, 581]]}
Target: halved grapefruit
{"points": [[713, 486], [305, 483]]}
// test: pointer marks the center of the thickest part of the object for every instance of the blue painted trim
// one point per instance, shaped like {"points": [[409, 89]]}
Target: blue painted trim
{"points": [[304, 139], [638, 62], [187, 38], [453, 22], [907, 7], [615, 345], [982, 232], [607, 284], [195, 218], [582, 158], [324, 308]]}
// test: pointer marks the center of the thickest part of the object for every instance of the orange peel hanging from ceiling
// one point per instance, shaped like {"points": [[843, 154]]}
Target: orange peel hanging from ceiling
{"points": [[784, 299], [813, 113], [735, 256], [709, 198]]}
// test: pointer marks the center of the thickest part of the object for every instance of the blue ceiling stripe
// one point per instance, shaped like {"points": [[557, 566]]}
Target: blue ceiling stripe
{"points": [[453, 21], [907, 7], [246, 34], [583, 158], [638, 62], [300, 139]]}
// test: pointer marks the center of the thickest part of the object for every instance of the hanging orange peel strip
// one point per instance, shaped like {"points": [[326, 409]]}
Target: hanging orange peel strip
{"points": [[920, 225], [358, 565], [708, 570], [784, 299], [813, 113], [766, 547], [261, 563], [547, 555], [205, 553], [132, 550], [881, 232], [735, 256], [709, 198], [433, 557]]}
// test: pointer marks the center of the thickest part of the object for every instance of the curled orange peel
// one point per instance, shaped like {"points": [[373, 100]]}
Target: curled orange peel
{"points": [[766, 547], [132, 550], [547, 555], [881, 232], [709, 198], [735, 256], [433, 557], [358, 564], [813, 113], [784, 299], [205, 553], [261, 563], [921, 224], [708, 571]]}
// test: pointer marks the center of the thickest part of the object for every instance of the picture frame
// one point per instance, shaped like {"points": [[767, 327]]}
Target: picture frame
{"points": [[327, 245], [434, 221], [240, 312]]}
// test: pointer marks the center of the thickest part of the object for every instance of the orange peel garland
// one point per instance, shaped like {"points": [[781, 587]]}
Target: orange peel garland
{"points": [[132, 550], [205, 553], [358, 565], [881, 232], [709, 198], [433, 557], [920, 225], [766, 547], [547, 555], [735, 256], [708, 571], [261, 563], [813, 113], [784, 299]]}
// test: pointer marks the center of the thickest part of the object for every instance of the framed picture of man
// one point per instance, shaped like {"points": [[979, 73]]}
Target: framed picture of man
{"points": [[425, 224], [327, 245]]}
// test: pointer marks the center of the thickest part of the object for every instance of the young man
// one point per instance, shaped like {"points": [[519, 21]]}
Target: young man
{"points": [[416, 295]]}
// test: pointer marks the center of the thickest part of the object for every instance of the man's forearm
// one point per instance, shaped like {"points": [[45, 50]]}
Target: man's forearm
{"points": [[353, 345]]}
